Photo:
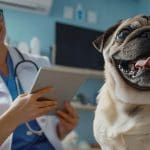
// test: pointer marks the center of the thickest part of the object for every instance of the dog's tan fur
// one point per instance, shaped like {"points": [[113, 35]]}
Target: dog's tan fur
{"points": [[122, 117]]}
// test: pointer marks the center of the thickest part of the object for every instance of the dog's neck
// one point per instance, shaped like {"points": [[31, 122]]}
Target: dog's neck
{"points": [[139, 114]]}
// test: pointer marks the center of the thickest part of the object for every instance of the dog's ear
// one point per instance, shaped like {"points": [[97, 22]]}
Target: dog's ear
{"points": [[101, 40]]}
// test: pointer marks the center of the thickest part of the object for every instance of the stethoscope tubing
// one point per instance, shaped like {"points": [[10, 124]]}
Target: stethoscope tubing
{"points": [[31, 131], [23, 61]]}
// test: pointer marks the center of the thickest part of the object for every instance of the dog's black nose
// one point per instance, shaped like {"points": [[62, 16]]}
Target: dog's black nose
{"points": [[145, 34]]}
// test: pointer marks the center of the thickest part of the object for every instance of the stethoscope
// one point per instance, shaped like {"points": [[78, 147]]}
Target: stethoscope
{"points": [[23, 61]]}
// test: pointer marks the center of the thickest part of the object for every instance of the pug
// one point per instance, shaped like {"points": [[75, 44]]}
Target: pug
{"points": [[122, 116]]}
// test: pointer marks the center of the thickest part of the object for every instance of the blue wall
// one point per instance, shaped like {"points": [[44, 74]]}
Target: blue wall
{"points": [[144, 7], [23, 26], [108, 11]]}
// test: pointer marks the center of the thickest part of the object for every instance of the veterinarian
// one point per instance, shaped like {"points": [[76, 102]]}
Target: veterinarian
{"points": [[18, 129]]}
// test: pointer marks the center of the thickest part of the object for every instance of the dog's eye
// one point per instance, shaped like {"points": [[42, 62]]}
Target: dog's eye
{"points": [[121, 36]]}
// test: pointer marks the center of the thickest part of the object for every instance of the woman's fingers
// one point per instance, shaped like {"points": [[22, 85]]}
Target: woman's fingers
{"points": [[24, 94], [68, 114], [70, 109], [41, 92], [66, 123], [65, 117], [45, 103], [45, 110]]}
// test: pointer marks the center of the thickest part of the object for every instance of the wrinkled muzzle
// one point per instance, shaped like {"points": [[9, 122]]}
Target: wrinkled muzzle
{"points": [[133, 60]]}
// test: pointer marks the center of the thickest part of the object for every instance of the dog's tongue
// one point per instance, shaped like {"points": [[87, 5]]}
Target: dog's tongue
{"points": [[143, 63]]}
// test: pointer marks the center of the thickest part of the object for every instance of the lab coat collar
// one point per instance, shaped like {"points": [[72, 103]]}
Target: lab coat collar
{"points": [[14, 55], [4, 92], [3, 89], [5, 97], [27, 73], [25, 85]]}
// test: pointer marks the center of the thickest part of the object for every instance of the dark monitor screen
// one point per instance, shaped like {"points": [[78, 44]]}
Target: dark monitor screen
{"points": [[74, 47]]}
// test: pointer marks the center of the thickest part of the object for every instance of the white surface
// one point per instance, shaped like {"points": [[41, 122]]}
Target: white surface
{"points": [[86, 107], [68, 12], [35, 6], [35, 45], [91, 17], [92, 74]]}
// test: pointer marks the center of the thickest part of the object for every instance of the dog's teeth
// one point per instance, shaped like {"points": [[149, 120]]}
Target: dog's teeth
{"points": [[131, 73], [119, 66], [140, 69]]}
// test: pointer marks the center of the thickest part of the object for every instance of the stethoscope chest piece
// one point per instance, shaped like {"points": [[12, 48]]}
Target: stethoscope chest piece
{"points": [[29, 133]]}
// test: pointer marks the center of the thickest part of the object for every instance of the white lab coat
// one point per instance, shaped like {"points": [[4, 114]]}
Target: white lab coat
{"points": [[26, 75]]}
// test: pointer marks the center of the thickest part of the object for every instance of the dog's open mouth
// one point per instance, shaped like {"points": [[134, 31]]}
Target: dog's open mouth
{"points": [[136, 72]]}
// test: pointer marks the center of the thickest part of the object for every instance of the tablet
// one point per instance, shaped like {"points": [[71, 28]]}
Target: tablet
{"points": [[65, 83]]}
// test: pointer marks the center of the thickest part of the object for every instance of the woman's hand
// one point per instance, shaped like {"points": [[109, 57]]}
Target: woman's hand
{"points": [[28, 106], [68, 120]]}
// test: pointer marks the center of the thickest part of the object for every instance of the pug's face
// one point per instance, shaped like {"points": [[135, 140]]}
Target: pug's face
{"points": [[126, 47]]}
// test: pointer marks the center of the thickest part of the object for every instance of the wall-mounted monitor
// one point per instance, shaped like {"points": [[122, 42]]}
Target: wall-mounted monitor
{"points": [[74, 47]]}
